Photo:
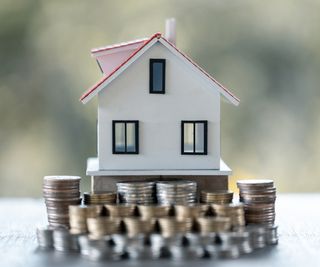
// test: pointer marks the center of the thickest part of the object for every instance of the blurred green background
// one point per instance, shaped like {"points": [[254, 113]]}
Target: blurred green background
{"points": [[267, 53]]}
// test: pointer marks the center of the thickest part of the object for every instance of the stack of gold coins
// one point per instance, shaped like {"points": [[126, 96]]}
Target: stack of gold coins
{"points": [[59, 192], [233, 211], [101, 226], [78, 217], [135, 226], [218, 197], [190, 211], [123, 210], [258, 197], [208, 225], [153, 211], [171, 226], [99, 198]]}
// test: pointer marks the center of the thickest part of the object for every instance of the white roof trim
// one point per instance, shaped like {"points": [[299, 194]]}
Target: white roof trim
{"points": [[199, 72], [209, 81], [120, 70]]}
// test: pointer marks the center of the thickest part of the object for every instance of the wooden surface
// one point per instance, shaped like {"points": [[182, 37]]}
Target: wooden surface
{"points": [[298, 217]]}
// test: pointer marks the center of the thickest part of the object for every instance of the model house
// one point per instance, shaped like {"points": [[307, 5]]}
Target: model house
{"points": [[158, 115]]}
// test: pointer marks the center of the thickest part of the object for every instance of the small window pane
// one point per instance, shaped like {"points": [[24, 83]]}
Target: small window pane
{"points": [[131, 137], [199, 131], [188, 137], [157, 76], [120, 137]]}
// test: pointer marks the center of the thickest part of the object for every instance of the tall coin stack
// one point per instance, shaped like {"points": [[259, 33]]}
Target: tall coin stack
{"points": [[136, 192], [99, 198], [59, 192], [258, 197], [181, 192], [217, 197]]}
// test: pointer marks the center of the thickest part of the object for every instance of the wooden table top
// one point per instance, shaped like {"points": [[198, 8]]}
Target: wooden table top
{"points": [[298, 217]]}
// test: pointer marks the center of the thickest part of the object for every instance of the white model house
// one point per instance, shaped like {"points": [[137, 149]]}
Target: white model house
{"points": [[158, 114]]}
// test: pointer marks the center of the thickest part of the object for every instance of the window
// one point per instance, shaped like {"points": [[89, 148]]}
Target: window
{"points": [[194, 137], [157, 76], [125, 137]]}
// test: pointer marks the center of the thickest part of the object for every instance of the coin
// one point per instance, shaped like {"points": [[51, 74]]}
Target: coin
{"points": [[101, 226], [190, 211], [136, 192], [136, 226], [153, 211], [233, 211], [176, 192], [99, 198], [59, 192], [171, 226], [218, 197], [213, 224]]}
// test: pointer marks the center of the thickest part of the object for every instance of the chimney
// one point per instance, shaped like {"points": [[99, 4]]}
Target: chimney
{"points": [[170, 33]]}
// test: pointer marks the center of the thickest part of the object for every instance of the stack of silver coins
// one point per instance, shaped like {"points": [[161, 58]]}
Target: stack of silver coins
{"points": [[45, 237], [258, 197], [59, 192], [136, 192], [176, 192], [64, 241]]}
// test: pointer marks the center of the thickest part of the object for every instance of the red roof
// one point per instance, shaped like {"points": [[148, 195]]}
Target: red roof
{"points": [[143, 44], [110, 47]]}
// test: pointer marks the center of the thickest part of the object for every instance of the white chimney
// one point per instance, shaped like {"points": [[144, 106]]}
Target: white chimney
{"points": [[170, 33]]}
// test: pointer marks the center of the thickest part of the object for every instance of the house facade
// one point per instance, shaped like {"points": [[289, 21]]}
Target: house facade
{"points": [[158, 114]]}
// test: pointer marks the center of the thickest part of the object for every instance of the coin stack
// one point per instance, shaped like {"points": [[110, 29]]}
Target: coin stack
{"points": [[136, 192], [64, 241], [172, 226], [153, 211], [59, 192], [120, 211], [176, 192], [217, 197], [135, 226], [44, 237], [258, 197], [99, 198], [78, 217], [101, 226], [190, 211], [233, 211], [208, 225]]}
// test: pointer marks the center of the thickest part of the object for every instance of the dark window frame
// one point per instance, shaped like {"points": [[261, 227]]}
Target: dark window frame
{"points": [[205, 141], [157, 60], [136, 123]]}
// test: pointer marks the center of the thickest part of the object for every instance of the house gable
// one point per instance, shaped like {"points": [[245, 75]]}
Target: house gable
{"points": [[139, 52]]}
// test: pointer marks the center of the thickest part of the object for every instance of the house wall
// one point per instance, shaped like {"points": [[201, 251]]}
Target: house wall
{"points": [[187, 97]]}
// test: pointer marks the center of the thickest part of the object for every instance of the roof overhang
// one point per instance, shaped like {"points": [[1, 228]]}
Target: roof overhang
{"points": [[143, 47]]}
